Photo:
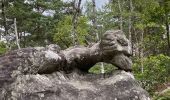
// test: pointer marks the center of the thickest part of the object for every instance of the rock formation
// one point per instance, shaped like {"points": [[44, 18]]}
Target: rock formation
{"points": [[49, 73]]}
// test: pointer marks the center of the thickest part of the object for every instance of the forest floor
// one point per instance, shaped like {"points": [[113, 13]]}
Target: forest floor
{"points": [[163, 93]]}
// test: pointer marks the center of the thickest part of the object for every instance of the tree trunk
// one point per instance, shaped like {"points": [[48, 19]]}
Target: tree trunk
{"points": [[130, 22], [167, 31], [5, 24], [16, 34], [4, 17], [94, 21], [136, 43], [141, 51], [120, 15], [76, 10], [95, 29]]}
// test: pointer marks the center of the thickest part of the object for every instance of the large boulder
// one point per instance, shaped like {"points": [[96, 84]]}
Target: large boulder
{"points": [[49, 73], [119, 85]]}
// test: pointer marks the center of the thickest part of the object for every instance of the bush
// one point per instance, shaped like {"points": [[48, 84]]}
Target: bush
{"points": [[155, 71], [3, 48], [97, 69], [164, 96]]}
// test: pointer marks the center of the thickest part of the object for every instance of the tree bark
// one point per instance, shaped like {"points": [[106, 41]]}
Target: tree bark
{"points": [[168, 37], [16, 34], [76, 10], [130, 22], [167, 30], [94, 20], [120, 15], [4, 17], [95, 29], [141, 51]]}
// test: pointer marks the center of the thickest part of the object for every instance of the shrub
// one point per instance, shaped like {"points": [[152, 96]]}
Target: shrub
{"points": [[3, 48], [155, 71], [108, 68], [164, 96]]}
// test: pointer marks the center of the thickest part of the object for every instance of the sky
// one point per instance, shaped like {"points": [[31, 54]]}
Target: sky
{"points": [[99, 3]]}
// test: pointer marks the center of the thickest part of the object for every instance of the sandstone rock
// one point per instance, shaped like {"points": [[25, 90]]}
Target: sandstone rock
{"points": [[120, 85], [49, 73]]}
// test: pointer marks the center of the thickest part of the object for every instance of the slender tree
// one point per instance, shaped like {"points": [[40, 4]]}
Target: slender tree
{"points": [[3, 4], [141, 51], [131, 8], [16, 34], [76, 13], [94, 20], [166, 22], [120, 15], [95, 29]]}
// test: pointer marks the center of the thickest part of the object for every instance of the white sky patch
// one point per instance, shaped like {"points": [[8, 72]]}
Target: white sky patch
{"points": [[2, 29], [99, 3], [25, 34], [29, 1], [49, 13], [51, 55]]}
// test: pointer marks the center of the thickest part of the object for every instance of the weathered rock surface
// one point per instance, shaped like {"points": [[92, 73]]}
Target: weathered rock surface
{"points": [[49, 73], [120, 85]]}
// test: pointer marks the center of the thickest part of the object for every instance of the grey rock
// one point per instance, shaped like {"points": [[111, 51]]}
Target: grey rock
{"points": [[120, 85], [49, 73]]}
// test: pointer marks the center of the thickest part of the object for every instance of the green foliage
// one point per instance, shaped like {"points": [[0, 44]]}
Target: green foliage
{"points": [[63, 31], [163, 96], [153, 41], [33, 17], [148, 18], [156, 71], [97, 68], [3, 48]]}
